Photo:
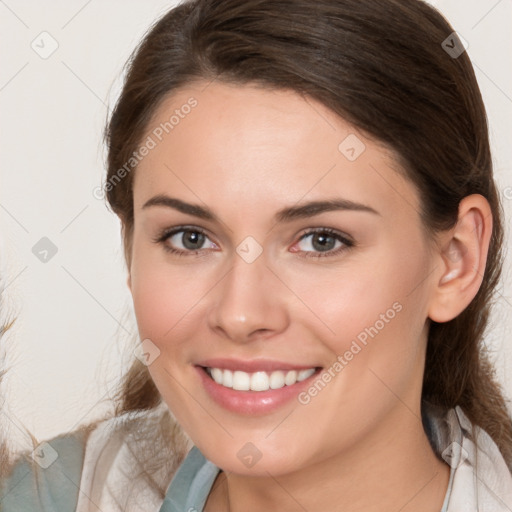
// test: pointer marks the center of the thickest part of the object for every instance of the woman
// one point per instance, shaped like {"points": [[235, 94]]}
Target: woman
{"points": [[313, 237]]}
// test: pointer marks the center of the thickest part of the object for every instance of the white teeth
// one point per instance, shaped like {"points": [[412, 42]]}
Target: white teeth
{"points": [[258, 381], [217, 375], [241, 381], [291, 378], [276, 380], [227, 378], [304, 374]]}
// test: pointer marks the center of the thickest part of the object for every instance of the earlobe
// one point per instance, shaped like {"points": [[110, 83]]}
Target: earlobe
{"points": [[462, 259]]}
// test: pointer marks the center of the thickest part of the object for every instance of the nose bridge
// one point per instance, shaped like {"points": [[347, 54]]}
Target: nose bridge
{"points": [[248, 300]]}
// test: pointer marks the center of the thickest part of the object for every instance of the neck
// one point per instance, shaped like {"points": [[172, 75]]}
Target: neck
{"points": [[392, 469]]}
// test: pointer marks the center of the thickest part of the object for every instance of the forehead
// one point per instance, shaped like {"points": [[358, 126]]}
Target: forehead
{"points": [[245, 146]]}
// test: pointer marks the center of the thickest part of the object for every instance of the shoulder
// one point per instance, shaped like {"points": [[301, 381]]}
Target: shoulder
{"points": [[46, 478], [130, 460], [480, 478], [108, 464]]}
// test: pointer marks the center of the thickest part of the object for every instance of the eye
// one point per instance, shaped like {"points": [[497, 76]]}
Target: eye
{"points": [[185, 240], [322, 242]]}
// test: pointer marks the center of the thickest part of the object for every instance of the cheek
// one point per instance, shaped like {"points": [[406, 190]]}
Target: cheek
{"points": [[344, 301], [160, 295], [162, 302], [372, 313]]}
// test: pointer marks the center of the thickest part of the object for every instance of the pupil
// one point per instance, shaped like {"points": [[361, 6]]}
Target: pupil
{"points": [[192, 238], [322, 242]]}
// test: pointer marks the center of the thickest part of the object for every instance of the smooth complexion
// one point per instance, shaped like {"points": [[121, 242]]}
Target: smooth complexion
{"points": [[246, 153]]}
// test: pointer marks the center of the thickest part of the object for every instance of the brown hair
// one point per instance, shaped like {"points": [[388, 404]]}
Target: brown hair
{"points": [[5, 325], [382, 67]]}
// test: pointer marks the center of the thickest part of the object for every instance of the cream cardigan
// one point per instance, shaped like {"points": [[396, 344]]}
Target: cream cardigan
{"points": [[142, 462]]}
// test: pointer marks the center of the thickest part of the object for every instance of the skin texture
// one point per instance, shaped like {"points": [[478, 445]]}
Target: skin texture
{"points": [[246, 152]]}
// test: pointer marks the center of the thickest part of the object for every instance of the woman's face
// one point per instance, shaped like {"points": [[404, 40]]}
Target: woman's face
{"points": [[300, 248]]}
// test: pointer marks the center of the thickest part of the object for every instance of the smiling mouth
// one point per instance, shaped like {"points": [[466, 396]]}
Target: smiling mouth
{"points": [[258, 381]]}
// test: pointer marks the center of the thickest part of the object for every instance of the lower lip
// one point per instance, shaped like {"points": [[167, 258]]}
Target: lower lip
{"points": [[252, 402]]}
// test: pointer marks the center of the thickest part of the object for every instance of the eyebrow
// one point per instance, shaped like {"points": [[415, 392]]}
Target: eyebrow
{"points": [[182, 206], [318, 207], [285, 215]]}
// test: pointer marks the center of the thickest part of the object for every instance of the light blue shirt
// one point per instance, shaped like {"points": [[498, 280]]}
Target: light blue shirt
{"points": [[479, 477], [191, 485]]}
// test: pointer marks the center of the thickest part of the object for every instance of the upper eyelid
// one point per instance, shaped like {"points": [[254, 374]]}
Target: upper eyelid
{"points": [[331, 231], [168, 233], [177, 229]]}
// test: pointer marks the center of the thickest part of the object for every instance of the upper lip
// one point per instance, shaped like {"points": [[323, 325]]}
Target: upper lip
{"points": [[252, 366]]}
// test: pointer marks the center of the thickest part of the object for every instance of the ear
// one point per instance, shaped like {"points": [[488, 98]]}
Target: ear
{"points": [[462, 257]]}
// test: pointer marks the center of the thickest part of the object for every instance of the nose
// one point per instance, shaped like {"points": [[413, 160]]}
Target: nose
{"points": [[248, 303]]}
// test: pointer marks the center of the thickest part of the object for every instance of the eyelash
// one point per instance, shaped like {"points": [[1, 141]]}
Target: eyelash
{"points": [[347, 243], [166, 234], [344, 239]]}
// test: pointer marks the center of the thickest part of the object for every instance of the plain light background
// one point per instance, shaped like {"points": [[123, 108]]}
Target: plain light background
{"points": [[75, 328]]}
